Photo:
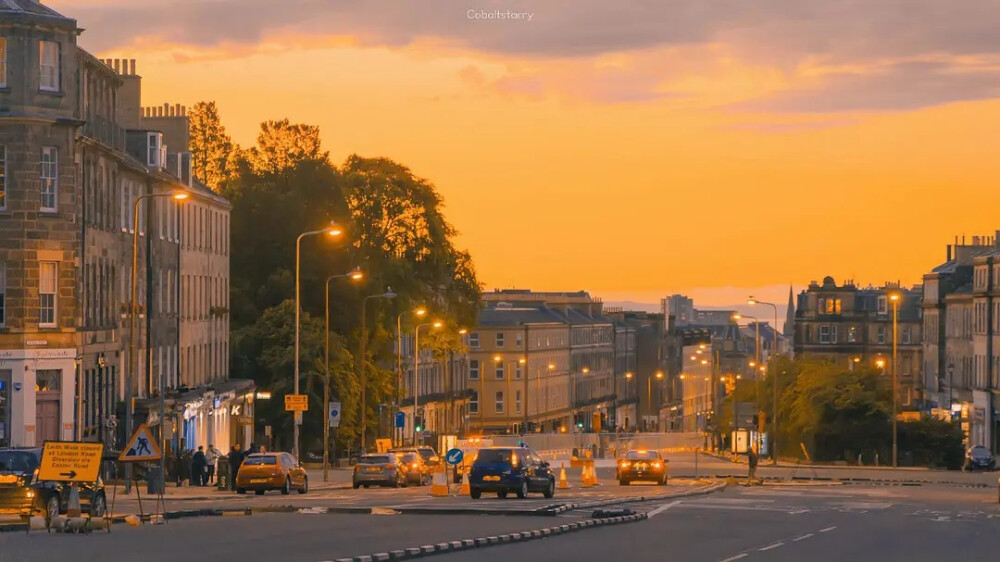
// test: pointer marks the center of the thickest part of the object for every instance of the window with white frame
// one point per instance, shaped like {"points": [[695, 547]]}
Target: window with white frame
{"points": [[49, 177], [48, 65], [474, 369], [519, 339], [824, 334], [881, 334], [3, 292], [47, 274], [3, 174], [883, 305], [474, 402], [906, 335], [153, 143], [3, 62], [833, 333], [499, 340], [474, 340], [499, 371], [517, 401], [517, 370], [498, 407]]}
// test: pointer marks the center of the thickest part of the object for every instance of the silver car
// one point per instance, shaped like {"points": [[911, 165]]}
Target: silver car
{"points": [[384, 469]]}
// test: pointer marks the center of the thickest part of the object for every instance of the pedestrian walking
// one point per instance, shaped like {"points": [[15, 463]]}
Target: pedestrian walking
{"points": [[752, 459], [235, 460], [211, 458], [198, 467]]}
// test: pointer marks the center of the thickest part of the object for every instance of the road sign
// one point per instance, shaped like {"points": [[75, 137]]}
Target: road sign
{"points": [[427, 434], [400, 419], [454, 456], [296, 403], [141, 447], [70, 461], [334, 414], [383, 445]]}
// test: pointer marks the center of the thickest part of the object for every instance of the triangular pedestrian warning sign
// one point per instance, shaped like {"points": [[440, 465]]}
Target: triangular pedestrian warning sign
{"points": [[141, 447]]}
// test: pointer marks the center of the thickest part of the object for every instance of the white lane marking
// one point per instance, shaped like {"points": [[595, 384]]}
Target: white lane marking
{"points": [[738, 507], [802, 538], [775, 545], [737, 557], [661, 509], [828, 529]]}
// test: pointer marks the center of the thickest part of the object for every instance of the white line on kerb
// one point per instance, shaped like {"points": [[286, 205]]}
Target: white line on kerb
{"points": [[802, 538], [737, 557], [661, 509], [775, 545], [828, 529]]}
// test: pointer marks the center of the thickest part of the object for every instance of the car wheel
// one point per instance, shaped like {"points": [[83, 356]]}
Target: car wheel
{"points": [[52, 508], [305, 486], [475, 493], [623, 482], [98, 506], [502, 494], [366, 486], [550, 491], [287, 488], [523, 491], [259, 492], [241, 490]]}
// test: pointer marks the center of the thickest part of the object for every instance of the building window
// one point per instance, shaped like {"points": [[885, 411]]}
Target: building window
{"points": [[474, 340], [906, 335], [50, 173], [154, 141], [500, 340], [517, 401], [3, 172], [48, 64], [833, 333], [3, 293], [499, 402], [517, 370], [47, 293], [474, 369], [519, 339], [852, 334], [829, 306], [883, 305], [474, 402], [824, 334], [3, 66], [48, 380], [499, 371], [881, 334]]}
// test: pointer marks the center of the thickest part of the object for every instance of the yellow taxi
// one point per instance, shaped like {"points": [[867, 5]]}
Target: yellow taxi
{"points": [[261, 472]]}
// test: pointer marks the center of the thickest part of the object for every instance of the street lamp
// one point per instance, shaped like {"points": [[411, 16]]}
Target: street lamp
{"points": [[355, 275], [363, 362], [416, 372], [333, 230], [419, 312], [176, 195], [895, 297], [649, 387], [774, 352]]}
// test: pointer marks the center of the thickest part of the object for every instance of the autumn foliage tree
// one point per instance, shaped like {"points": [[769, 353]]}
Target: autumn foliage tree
{"points": [[212, 150]]}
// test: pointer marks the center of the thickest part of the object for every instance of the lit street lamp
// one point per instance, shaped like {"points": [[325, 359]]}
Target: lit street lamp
{"points": [[399, 365], [363, 361], [649, 388], [774, 353], [333, 230], [354, 275], [416, 372], [895, 297], [133, 344]]}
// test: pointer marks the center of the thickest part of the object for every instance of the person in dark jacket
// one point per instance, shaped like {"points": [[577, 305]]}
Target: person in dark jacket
{"points": [[235, 460], [198, 463]]}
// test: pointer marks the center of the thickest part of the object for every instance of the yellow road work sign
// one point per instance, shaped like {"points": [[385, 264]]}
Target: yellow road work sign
{"points": [[141, 447], [70, 461], [296, 403]]}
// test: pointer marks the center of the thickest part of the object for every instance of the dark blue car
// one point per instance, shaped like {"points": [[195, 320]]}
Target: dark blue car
{"points": [[510, 469]]}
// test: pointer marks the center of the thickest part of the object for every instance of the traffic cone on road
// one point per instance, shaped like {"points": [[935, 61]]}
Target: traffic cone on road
{"points": [[439, 485], [593, 476], [563, 482], [465, 485], [586, 476]]}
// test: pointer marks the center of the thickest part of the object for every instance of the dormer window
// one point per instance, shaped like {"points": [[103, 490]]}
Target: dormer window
{"points": [[157, 152]]}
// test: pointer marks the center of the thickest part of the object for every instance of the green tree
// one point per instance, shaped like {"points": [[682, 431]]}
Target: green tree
{"points": [[212, 150], [282, 145]]}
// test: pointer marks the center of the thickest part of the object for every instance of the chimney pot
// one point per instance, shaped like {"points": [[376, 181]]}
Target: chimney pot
{"points": [[131, 67]]}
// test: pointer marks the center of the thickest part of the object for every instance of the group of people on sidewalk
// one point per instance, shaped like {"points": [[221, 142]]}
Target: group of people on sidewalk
{"points": [[203, 464]]}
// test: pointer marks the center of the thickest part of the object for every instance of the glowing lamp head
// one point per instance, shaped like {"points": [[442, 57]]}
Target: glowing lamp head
{"points": [[437, 324], [497, 358], [180, 195], [751, 301], [463, 331], [420, 311], [659, 374]]}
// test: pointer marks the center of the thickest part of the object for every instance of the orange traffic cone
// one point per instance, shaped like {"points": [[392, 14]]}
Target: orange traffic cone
{"points": [[586, 476], [465, 484], [593, 476], [439, 485], [563, 482]]}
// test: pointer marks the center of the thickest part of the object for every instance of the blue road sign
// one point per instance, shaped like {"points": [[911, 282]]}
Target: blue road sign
{"points": [[454, 456], [400, 419]]}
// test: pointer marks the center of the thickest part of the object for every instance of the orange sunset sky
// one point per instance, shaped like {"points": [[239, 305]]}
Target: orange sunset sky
{"points": [[632, 149]]}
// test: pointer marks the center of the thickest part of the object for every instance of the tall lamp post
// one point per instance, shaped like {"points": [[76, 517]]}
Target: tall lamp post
{"points": [[649, 387], [416, 372], [774, 373], [399, 366], [355, 275], [363, 359], [332, 230], [895, 297], [133, 344]]}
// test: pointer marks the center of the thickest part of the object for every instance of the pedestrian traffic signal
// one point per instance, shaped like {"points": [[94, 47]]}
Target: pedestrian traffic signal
{"points": [[418, 423]]}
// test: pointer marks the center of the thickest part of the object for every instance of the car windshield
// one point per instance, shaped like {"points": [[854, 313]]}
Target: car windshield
{"points": [[494, 456], [375, 459], [410, 457], [980, 452], [429, 455], [261, 460], [642, 455], [18, 462]]}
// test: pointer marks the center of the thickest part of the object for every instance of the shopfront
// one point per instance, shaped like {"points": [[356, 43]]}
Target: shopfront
{"points": [[36, 396]]}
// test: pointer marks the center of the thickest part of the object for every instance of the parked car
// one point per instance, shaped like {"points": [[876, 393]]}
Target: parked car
{"points": [[21, 493], [379, 470], [417, 471], [510, 469], [641, 465], [261, 472], [431, 458], [979, 458]]}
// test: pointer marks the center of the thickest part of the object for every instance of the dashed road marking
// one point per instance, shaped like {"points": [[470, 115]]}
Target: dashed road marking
{"points": [[661, 509], [771, 547], [828, 529], [803, 537], [737, 557]]}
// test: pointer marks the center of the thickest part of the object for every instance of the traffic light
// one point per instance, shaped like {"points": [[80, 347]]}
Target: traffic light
{"points": [[418, 423]]}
